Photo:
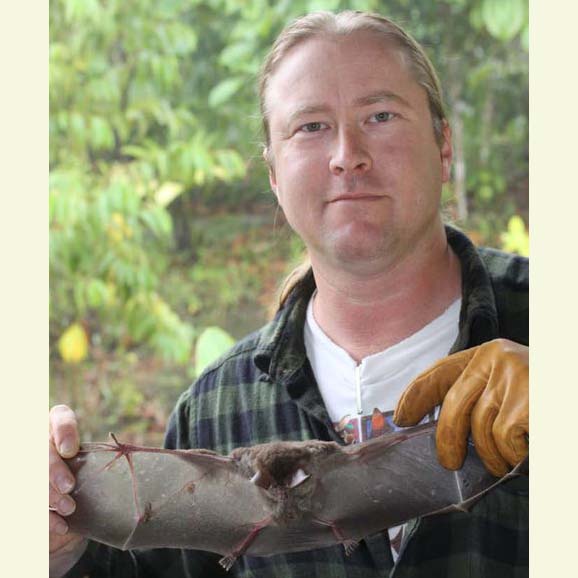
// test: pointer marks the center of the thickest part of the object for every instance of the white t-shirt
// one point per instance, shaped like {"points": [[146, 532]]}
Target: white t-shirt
{"points": [[360, 398]]}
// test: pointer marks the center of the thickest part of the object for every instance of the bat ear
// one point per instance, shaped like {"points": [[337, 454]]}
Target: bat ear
{"points": [[262, 479], [298, 478]]}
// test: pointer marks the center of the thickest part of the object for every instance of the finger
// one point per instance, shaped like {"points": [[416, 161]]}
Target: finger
{"points": [[69, 546], [430, 388], [511, 435], [59, 475], [454, 419], [483, 419], [511, 427], [64, 430], [62, 503], [57, 525]]}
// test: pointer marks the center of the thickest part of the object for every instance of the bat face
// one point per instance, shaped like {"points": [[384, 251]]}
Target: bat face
{"points": [[268, 499], [286, 471]]}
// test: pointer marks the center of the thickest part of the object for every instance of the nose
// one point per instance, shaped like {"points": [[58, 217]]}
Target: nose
{"points": [[350, 155]]}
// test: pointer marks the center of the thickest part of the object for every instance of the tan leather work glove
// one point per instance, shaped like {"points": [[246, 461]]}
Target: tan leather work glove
{"points": [[484, 388]]}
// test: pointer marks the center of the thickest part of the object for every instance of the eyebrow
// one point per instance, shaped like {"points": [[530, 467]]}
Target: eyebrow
{"points": [[306, 109], [377, 97], [381, 96]]}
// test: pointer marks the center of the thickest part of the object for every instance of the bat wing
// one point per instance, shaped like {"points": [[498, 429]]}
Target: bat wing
{"points": [[391, 479], [130, 497]]}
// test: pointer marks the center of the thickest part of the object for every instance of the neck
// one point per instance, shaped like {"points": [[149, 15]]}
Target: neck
{"points": [[367, 313]]}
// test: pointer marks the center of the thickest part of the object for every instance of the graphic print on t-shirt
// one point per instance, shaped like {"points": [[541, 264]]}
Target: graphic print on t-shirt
{"points": [[365, 427]]}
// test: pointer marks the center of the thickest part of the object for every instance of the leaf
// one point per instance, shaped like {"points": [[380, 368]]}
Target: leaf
{"points": [[236, 53], [135, 151], [516, 239], [158, 221], [73, 344], [224, 91], [504, 18], [97, 293], [211, 344], [168, 192], [101, 135]]}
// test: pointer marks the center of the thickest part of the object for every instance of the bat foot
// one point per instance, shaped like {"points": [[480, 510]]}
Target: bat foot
{"points": [[350, 546], [227, 561]]}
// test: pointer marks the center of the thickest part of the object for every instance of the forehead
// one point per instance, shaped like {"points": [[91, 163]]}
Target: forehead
{"points": [[339, 69]]}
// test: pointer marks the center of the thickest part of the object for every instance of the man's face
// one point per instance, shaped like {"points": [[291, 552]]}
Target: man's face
{"points": [[355, 164]]}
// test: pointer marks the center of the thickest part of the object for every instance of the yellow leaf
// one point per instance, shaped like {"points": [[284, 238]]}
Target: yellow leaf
{"points": [[168, 192], [516, 239], [73, 344]]}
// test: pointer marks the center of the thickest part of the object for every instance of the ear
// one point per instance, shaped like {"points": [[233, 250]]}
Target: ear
{"points": [[272, 177], [273, 181], [446, 151]]}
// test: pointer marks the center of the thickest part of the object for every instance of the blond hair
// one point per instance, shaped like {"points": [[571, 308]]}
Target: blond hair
{"points": [[330, 25]]}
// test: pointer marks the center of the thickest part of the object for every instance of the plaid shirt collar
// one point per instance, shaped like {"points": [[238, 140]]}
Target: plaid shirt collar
{"points": [[281, 355]]}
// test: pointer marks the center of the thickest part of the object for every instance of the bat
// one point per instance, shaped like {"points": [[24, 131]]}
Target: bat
{"points": [[267, 499]]}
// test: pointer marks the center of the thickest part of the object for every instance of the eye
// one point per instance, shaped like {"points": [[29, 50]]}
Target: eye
{"points": [[380, 117], [312, 127]]}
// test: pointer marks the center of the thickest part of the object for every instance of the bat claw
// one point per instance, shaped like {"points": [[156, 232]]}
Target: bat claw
{"points": [[227, 561], [350, 546]]}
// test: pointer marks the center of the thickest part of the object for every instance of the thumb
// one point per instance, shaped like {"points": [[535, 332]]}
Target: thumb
{"points": [[430, 387]]}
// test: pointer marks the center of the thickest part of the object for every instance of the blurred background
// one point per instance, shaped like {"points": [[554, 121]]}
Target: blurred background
{"points": [[166, 245]]}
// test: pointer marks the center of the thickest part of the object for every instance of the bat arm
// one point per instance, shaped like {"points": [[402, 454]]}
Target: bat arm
{"points": [[227, 561], [126, 449], [376, 446], [347, 543]]}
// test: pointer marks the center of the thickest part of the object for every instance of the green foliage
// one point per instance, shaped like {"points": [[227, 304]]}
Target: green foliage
{"points": [[123, 119], [211, 344], [504, 19], [108, 243]]}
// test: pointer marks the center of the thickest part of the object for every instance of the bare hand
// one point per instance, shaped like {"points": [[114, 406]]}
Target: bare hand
{"points": [[484, 388], [63, 442]]}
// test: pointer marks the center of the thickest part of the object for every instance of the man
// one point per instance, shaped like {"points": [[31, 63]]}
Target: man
{"points": [[358, 147]]}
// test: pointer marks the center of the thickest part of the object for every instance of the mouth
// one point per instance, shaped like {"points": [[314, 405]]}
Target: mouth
{"points": [[350, 198]]}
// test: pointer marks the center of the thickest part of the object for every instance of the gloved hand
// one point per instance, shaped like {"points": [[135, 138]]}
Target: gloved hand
{"points": [[484, 388]]}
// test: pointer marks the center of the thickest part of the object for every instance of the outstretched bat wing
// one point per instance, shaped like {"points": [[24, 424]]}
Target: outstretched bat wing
{"points": [[130, 497], [392, 479]]}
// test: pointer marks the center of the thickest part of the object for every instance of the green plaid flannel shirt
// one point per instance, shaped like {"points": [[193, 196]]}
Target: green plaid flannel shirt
{"points": [[264, 389]]}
